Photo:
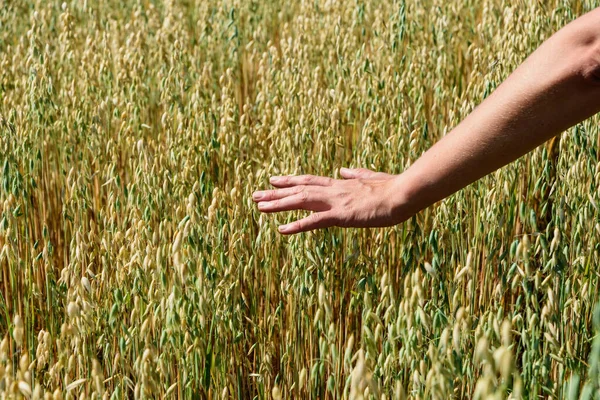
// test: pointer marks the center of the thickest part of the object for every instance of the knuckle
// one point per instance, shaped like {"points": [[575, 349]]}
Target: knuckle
{"points": [[341, 194], [304, 196]]}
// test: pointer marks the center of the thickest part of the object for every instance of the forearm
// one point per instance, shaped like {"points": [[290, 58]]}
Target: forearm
{"points": [[554, 89]]}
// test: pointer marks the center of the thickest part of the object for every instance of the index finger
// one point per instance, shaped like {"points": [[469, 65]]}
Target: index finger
{"points": [[290, 180]]}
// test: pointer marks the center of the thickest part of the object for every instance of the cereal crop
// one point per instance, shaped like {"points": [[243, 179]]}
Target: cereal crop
{"points": [[134, 264]]}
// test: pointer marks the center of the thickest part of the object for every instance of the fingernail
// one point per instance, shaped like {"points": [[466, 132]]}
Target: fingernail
{"points": [[343, 169], [275, 179], [258, 195], [284, 228]]}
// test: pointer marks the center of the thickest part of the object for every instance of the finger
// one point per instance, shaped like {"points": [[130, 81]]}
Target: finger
{"points": [[269, 195], [287, 181], [299, 201], [353, 173], [316, 220]]}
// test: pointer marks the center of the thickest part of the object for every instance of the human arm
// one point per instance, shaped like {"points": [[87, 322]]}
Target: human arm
{"points": [[556, 87]]}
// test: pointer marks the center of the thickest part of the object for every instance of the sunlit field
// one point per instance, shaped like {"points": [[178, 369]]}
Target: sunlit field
{"points": [[134, 263]]}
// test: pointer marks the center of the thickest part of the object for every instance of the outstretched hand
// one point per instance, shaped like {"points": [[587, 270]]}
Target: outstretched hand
{"points": [[364, 198]]}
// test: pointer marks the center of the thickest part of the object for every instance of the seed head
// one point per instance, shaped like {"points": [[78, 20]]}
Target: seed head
{"points": [[18, 330], [73, 310]]}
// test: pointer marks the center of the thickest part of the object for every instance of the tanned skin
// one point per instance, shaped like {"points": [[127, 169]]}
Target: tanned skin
{"points": [[556, 87]]}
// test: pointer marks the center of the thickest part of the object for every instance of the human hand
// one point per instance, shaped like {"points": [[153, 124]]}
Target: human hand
{"points": [[364, 198]]}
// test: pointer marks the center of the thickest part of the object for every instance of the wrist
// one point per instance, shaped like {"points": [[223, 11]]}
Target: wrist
{"points": [[406, 196]]}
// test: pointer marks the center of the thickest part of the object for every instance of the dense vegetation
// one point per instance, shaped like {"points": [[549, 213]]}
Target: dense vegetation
{"points": [[133, 262]]}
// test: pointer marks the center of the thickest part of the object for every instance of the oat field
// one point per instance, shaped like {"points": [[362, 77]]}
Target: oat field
{"points": [[134, 264]]}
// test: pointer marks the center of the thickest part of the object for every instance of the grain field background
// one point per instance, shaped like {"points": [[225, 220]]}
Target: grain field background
{"points": [[134, 264]]}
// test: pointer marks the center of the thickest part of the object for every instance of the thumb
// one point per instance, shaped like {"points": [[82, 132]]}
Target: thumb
{"points": [[353, 173]]}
